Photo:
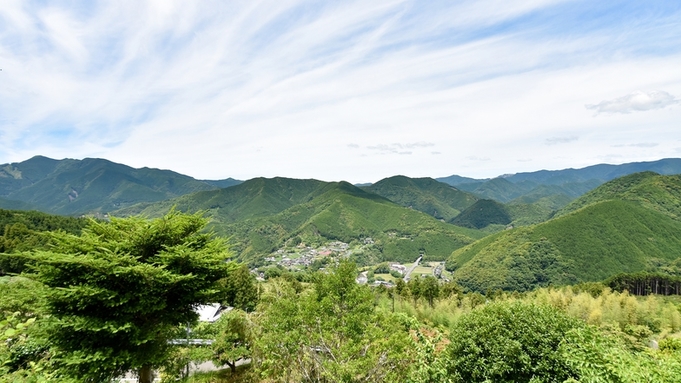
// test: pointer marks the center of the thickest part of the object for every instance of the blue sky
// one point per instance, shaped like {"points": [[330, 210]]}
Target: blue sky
{"points": [[350, 90]]}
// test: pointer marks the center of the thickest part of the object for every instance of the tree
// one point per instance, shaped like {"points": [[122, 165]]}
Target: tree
{"points": [[430, 289], [415, 288], [240, 289], [233, 338], [119, 290], [401, 287]]}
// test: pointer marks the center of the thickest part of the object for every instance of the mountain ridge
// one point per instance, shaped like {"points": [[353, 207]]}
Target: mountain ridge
{"points": [[90, 185]]}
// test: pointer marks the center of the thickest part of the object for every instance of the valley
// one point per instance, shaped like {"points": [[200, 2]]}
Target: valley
{"points": [[513, 232], [411, 269]]}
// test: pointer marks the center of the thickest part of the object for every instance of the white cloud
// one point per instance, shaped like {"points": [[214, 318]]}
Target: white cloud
{"points": [[561, 140], [280, 87], [637, 101], [398, 148]]}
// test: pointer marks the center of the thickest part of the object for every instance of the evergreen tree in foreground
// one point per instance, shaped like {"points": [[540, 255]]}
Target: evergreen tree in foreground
{"points": [[117, 291]]}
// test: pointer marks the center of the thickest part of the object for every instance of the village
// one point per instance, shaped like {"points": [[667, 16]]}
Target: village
{"points": [[303, 257]]}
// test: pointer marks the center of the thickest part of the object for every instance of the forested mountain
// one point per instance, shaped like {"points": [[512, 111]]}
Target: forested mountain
{"points": [[258, 197], [424, 194], [401, 215], [262, 215], [559, 185], [648, 189], [92, 185], [483, 213], [626, 225]]}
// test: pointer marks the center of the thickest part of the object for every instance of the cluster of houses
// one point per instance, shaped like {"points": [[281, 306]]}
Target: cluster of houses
{"points": [[306, 254]]}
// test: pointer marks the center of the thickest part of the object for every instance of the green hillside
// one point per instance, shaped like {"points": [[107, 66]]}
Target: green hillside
{"points": [[483, 213], [348, 214], [493, 216], [606, 235], [424, 194], [502, 190], [258, 197], [72, 187], [660, 193], [262, 215]]}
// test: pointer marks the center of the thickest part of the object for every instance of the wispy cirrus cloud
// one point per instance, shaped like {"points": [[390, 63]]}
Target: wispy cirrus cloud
{"points": [[638, 101], [280, 87]]}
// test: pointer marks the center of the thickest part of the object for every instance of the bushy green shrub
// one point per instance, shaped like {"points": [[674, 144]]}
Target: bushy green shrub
{"points": [[510, 342]]}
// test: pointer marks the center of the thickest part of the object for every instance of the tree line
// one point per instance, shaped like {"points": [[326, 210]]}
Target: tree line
{"points": [[646, 283]]}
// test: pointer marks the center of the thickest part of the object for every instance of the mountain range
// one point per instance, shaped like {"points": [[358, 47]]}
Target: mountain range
{"points": [[568, 183], [91, 185], [512, 232], [261, 215]]}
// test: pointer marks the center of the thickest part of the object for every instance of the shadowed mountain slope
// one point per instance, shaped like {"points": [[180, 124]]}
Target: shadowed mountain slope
{"points": [[483, 213]]}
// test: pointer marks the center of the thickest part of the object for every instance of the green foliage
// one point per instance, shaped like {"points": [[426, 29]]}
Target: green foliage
{"points": [[648, 189], [524, 214], [598, 357], [234, 336], [430, 356], [382, 268], [24, 355], [258, 197], [24, 230], [521, 263], [500, 189], [239, 289], [644, 283], [510, 342], [330, 333], [117, 291], [670, 344]]}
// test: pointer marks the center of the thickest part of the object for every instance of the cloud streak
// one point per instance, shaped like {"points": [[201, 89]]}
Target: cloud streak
{"points": [[280, 87], [561, 140]]}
